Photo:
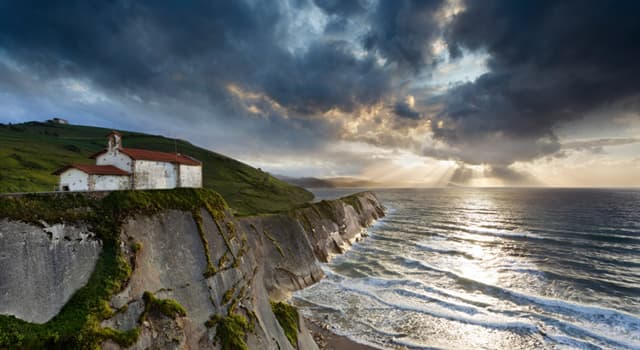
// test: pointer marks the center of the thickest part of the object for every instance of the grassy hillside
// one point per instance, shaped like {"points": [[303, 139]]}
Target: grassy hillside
{"points": [[29, 152]]}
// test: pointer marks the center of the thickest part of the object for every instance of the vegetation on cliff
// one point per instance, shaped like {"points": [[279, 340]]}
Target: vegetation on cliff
{"points": [[289, 320], [77, 326], [231, 330], [29, 152], [167, 307]]}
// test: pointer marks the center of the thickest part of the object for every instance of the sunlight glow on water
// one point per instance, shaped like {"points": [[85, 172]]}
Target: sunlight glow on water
{"points": [[491, 269]]}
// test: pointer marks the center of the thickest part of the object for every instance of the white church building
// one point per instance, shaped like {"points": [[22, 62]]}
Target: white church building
{"points": [[119, 168]]}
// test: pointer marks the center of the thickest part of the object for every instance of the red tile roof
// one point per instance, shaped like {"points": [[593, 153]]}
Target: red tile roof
{"points": [[94, 169], [143, 154]]}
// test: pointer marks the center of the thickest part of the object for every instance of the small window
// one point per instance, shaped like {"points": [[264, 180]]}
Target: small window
{"points": [[65, 188]]}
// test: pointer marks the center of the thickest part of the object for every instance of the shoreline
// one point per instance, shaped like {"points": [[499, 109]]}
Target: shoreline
{"points": [[326, 339]]}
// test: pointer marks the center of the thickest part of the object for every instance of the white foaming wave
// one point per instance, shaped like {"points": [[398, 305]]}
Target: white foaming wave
{"points": [[371, 249], [484, 231], [362, 286], [507, 323], [567, 342], [503, 233], [487, 231], [390, 209], [599, 234], [614, 318], [379, 331], [385, 283], [412, 344], [318, 304], [331, 274], [555, 303], [427, 248], [610, 340], [490, 322], [467, 309], [485, 236]]}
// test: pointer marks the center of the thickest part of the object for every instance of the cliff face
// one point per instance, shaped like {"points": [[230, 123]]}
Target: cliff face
{"points": [[223, 271], [42, 266], [332, 226]]}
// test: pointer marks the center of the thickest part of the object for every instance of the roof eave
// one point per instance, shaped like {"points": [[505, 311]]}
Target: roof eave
{"points": [[95, 155], [61, 170], [79, 168]]}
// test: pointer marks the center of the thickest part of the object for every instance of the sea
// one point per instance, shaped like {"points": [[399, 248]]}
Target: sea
{"points": [[488, 268]]}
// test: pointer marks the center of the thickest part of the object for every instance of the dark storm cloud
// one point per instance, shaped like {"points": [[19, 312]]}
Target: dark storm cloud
{"points": [[402, 31], [327, 76], [341, 7], [404, 110], [144, 46], [155, 49], [498, 150], [549, 62], [511, 176], [597, 146], [463, 175]]}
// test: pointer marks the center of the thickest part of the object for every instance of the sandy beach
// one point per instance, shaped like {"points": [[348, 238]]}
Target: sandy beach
{"points": [[328, 340]]}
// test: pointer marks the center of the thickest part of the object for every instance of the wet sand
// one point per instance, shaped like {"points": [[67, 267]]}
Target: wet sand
{"points": [[328, 340]]}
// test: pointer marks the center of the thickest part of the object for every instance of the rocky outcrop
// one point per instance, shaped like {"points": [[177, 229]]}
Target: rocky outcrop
{"points": [[41, 266], [220, 269], [333, 226]]}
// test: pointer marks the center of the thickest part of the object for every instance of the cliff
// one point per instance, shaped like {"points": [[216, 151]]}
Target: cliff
{"points": [[163, 269]]}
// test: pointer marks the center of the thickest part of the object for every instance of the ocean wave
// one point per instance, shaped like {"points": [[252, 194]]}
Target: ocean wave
{"points": [[497, 319], [386, 283], [410, 344], [571, 342], [608, 317], [565, 268], [604, 337], [487, 322], [556, 303], [467, 309], [485, 236], [427, 248], [317, 304], [584, 240]]}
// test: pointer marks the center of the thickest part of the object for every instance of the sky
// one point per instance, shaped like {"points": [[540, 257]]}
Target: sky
{"points": [[400, 92]]}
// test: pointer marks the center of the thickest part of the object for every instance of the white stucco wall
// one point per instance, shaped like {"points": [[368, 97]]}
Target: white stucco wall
{"points": [[75, 179], [151, 174], [109, 182], [115, 158], [190, 175]]}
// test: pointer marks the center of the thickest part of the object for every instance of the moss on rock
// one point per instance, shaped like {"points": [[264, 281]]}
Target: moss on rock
{"points": [[210, 270], [231, 331], [167, 307], [288, 318], [274, 242]]}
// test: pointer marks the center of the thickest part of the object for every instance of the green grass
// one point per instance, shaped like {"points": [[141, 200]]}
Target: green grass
{"points": [[288, 319], [29, 152]]}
